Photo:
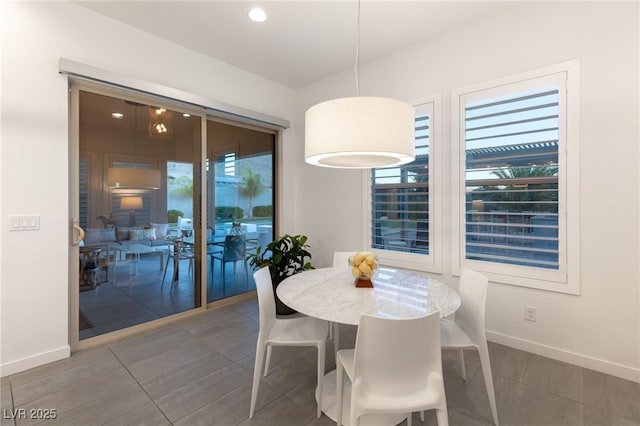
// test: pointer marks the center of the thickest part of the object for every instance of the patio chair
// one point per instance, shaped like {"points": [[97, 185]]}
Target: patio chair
{"points": [[178, 251], [235, 250], [184, 224]]}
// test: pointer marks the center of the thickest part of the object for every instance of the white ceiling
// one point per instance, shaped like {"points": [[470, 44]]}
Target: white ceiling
{"points": [[302, 41]]}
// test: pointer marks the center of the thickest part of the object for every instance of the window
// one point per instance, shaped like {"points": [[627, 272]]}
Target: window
{"points": [[401, 202], [512, 192], [84, 172], [180, 186], [229, 160]]}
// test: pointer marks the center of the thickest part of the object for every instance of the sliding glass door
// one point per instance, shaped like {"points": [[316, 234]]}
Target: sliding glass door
{"points": [[240, 194], [169, 209], [137, 260]]}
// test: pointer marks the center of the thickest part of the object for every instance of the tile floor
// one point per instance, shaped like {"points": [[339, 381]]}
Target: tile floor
{"points": [[198, 371]]}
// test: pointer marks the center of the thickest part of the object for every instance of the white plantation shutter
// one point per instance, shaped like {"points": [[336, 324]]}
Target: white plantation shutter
{"points": [[511, 158], [400, 202]]}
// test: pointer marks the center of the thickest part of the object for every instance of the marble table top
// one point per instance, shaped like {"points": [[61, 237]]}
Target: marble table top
{"points": [[330, 294]]}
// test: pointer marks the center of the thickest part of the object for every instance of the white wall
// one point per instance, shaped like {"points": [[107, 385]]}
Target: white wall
{"points": [[34, 153], [600, 328]]}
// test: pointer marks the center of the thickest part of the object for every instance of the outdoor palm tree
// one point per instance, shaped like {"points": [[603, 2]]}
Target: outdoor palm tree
{"points": [[184, 187], [526, 172], [527, 193], [252, 186]]}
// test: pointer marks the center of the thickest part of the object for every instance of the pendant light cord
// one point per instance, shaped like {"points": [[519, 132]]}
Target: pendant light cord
{"points": [[356, 70]]}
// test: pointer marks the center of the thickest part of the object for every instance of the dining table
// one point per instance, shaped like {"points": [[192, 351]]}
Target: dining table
{"points": [[330, 294]]}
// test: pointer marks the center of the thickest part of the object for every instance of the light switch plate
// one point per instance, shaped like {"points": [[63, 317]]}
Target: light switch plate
{"points": [[29, 222]]}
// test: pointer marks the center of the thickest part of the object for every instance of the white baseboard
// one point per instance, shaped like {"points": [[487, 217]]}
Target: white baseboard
{"points": [[607, 367], [23, 364]]}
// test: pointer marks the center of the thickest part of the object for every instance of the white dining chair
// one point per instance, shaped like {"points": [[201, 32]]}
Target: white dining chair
{"points": [[396, 367], [299, 331], [467, 331], [340, 260]]}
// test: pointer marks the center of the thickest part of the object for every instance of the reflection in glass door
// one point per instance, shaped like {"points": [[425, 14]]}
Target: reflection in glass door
{"points": [[137, 260], [240, 208]]}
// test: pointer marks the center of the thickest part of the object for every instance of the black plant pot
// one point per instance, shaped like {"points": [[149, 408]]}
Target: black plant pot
{"points": [[281, 308]]}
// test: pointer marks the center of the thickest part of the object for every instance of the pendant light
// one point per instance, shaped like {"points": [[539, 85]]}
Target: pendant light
{"points": [[159, 122], [359, 132], [133, 177]]}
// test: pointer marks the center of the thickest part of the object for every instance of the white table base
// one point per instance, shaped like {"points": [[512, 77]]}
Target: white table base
{"points": [[330, 408]]}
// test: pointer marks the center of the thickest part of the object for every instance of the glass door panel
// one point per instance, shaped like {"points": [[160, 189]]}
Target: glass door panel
{"points": [[240, 208], [138, 260]]}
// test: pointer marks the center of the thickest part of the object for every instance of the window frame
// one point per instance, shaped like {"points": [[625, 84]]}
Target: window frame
{"points": [[431, 262], [566, 278]]}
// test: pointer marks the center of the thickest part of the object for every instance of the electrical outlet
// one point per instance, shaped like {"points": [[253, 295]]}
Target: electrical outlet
{"points": [[530, 313]]}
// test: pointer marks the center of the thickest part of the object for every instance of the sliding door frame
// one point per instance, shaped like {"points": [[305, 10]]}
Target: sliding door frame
{"points": [[77, 84]]}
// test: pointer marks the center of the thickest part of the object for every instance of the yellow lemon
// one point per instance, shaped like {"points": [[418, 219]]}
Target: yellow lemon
{"points": [[365, 268]]}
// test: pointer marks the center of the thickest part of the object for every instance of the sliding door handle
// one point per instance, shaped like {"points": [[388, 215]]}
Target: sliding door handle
{"points": [[80, 235]]}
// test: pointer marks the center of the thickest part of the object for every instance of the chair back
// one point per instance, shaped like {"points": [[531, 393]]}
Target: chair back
{"points": [[473, 296], [397, 356], [185, 223], [177, 247], [266, 299], [341, 259], [235, 248]]}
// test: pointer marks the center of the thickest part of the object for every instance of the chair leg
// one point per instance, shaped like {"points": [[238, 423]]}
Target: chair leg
{"points": [[339, 390], [224, 284], [256, 377], [463, 369], [268, 362], [165, 272], [354, 417], [485, 363], [321, 354], [442, 417]]}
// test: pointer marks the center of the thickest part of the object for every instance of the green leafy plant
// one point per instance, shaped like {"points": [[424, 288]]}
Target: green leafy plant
{"points": [[172, 215], [284, 256], [262, 211], [228, 212], [184, 187]]}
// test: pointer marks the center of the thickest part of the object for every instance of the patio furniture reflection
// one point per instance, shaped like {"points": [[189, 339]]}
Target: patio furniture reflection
{"points": [[178, 251]]}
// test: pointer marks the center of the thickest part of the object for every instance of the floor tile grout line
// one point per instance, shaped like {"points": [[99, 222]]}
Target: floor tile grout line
{"points": [[232, 362], [141, 387]]}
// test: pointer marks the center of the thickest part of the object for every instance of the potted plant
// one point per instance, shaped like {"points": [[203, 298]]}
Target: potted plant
{"points": [[284, 256]]}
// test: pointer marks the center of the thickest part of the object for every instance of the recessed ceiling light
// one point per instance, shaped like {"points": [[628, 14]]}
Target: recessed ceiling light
{"points": [[258, 15], [185, 115], [117, 115]]}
